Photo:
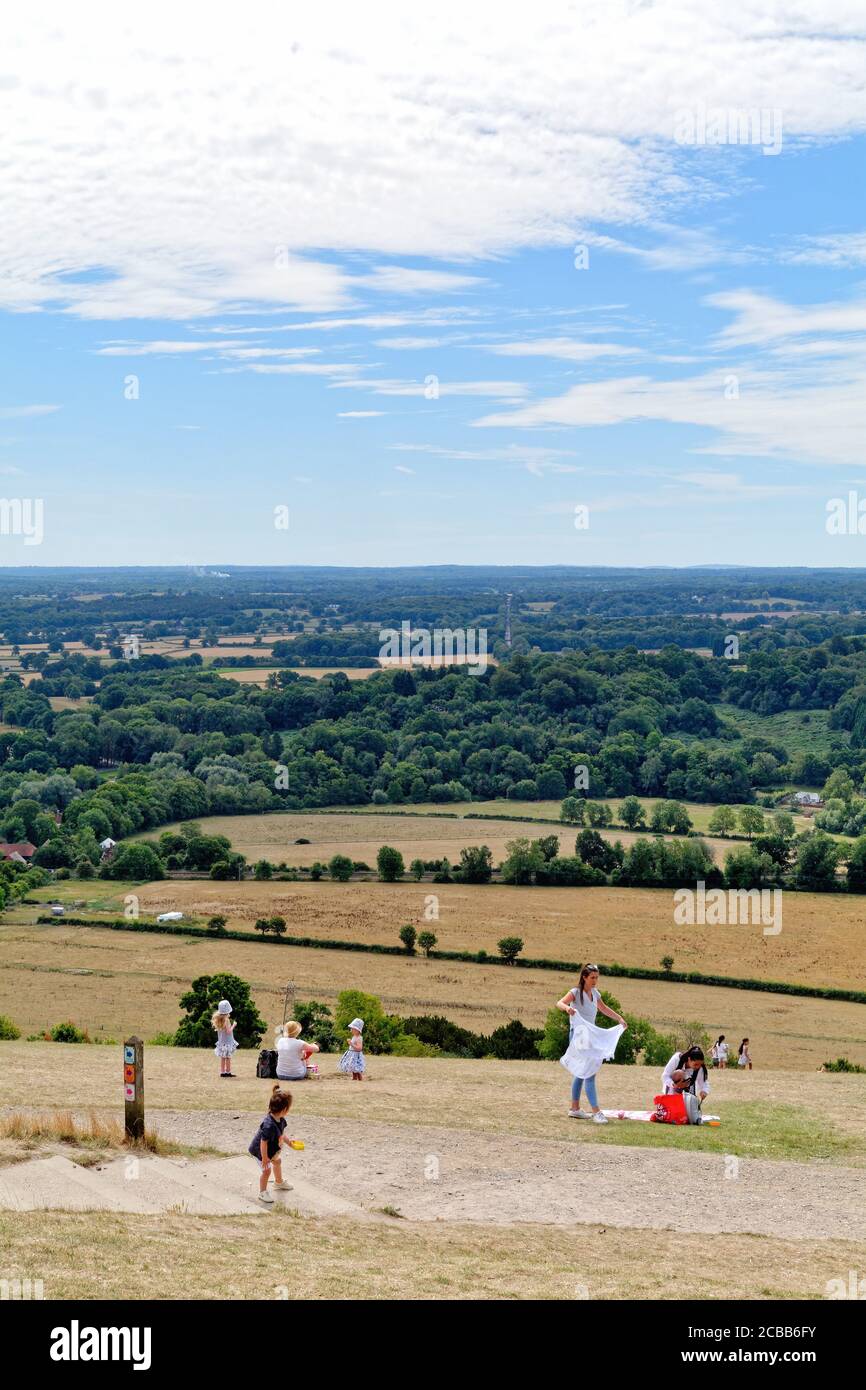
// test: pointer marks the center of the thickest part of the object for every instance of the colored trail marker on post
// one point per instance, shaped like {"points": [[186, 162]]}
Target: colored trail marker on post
{"points": [[133, 1088]]}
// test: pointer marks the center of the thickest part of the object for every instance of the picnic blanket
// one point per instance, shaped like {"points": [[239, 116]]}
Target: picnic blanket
{"points": [[589, 1047]]}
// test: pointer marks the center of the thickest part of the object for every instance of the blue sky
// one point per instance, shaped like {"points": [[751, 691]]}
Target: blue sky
{"points": [[344, 280]]}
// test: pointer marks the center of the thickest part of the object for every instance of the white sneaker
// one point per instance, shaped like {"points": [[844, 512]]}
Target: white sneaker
{"points": [[579, 1115], [283, 1187], [266, 1198], [599, 1119]]}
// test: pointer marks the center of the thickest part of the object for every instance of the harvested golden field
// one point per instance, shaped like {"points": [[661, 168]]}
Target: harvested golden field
{"points": [[361, 836], [115, 983], [822, 940]]}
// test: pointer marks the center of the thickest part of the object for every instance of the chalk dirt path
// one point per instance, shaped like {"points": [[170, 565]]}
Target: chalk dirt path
{"points": [[368, 1171]]}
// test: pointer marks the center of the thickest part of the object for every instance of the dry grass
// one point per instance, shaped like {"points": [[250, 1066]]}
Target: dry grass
{"points": [[102, 1255], [34, 1129], [116, 983]]}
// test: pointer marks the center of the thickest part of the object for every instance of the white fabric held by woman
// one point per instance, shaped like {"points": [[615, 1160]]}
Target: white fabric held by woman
{"points": [[589, 1047]]}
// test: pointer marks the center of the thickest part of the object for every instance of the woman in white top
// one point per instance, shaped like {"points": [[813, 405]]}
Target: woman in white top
{"points": [[719, 1051], [584, 1001], [292, 1053], [744, 1057], [691, 1062]]}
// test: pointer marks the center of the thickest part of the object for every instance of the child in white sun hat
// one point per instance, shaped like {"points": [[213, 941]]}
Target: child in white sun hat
{"points": [[352, 1060], [225, 1031]]}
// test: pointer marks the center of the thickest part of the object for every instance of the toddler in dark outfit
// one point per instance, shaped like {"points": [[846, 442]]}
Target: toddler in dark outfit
{"points": [[267, 1142]]}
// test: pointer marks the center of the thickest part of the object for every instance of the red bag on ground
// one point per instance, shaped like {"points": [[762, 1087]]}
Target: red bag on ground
{"points": [[671, 1110]]}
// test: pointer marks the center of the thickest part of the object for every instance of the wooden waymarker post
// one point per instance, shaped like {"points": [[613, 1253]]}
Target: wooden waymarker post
{"points": [[133, 1088]]}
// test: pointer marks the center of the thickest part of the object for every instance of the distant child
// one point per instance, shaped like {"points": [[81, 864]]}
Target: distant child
{"points": [[719, 1052], [267, 1141], [352, 1060], [225, 1031], [744, 1056]]}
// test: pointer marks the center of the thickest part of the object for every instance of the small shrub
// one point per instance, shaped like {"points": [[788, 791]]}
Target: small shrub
{"points": [[68, 1033], [510, 947], [162, 1040], [842, 1064], [8, 1030]]}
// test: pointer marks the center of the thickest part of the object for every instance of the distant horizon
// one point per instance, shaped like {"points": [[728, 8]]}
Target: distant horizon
{"points": [[212, 566]]}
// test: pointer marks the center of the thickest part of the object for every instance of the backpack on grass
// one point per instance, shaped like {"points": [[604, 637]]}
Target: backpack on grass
{"points": [[266, 1066]]}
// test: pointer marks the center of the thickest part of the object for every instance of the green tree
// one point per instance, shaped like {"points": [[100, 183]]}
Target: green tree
{"points": [[427, 941], [751, 820], [549, 846], [380, 1029], [389, 862], [515, 1042], [278, 926], [817, 860], [416, 869], [476, 864], [857, 866], [263, 869], [340, 868], [136, 863], [573, 810], [510, 947], [631, 813], [408, 936], [200, 1002], [723, 821], [523, 861], [263, 925], [216, 926], [597, 813]]}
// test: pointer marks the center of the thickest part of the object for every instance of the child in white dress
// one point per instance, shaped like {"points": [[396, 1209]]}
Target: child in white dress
{"points": [[225, 1031], [352, 1060]]}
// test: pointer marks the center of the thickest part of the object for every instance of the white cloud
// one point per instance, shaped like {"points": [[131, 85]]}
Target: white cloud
{"points": [[534, 458], [400, 468], [396, 387], [566, 348], [759, 319], [358, 414], [197, 169], [18, 412]]}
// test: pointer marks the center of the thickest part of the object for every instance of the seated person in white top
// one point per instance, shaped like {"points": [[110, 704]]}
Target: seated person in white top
{"points": [[693, 1071], [292, 1053]]}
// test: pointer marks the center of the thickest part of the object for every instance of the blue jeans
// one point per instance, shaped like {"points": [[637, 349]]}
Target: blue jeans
{"points": [[576, 1088]]}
